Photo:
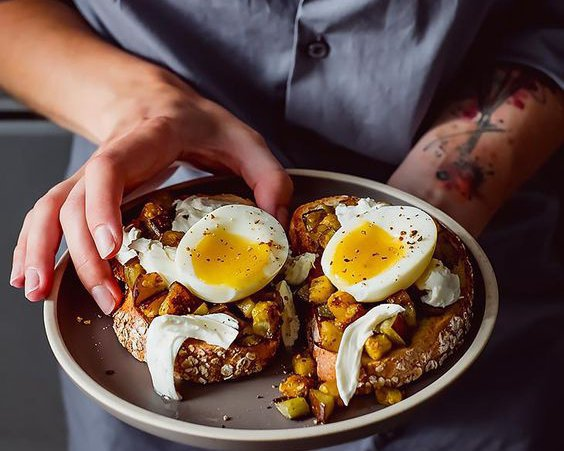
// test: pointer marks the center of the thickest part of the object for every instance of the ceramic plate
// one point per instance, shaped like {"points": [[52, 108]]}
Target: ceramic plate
{"points": [[85, 346]]}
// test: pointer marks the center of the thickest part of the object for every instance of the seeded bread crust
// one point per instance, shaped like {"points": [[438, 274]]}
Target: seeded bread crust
{"points": [[437, 335], [197, 361]]}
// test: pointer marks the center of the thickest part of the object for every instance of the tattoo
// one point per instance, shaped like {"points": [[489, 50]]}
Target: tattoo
{"points": [[461, 170]]}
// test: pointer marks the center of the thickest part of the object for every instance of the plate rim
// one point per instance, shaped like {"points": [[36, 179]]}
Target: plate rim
{"points": [[155, 423]]}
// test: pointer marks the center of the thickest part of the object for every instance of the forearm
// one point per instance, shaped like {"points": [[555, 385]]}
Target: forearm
{"points": [[53, 62], [485, 145]]}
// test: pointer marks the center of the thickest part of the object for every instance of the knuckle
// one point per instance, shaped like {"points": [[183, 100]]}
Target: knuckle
{"points": [[100, 162], [161, 124], [47, 203]]}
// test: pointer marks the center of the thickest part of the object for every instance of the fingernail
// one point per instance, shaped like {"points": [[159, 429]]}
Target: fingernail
{"points": [[104, 240], [15, 274], [31, 281], [103, 298], [282, 215]]}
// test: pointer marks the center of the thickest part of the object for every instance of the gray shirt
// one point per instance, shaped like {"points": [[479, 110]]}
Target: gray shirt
{"points": [[353, 74]]}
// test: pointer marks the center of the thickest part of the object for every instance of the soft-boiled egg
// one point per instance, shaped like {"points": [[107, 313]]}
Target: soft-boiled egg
{"points": [[231, 253], [380, 251]]}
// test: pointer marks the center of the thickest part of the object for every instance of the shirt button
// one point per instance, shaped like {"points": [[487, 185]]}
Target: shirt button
{"points": [[318, 49]]}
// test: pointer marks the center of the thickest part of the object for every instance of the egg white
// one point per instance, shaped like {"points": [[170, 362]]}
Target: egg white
{"points": [[419, 236]]}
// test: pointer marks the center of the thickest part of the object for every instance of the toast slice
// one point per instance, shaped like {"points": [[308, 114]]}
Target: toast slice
{"points": [[147, 296], [431, 334]]}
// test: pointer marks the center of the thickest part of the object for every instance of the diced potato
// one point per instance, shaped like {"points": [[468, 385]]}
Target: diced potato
{"points": [[171, 238], [295, 385], [330, 388], [330, 336], [320, 289], [377, 346], [304, 365], [313, 218], [365, 360], [151, 308], [410, 314], [388, 396], [293, 408], [344, 307], [266, 318], [246, 306], [156, 219], [326, 229], [146, 286], [179, 301], [219, 308], [131, 270], [386, 327], [202, 309], [322, 405], [324, 312]]}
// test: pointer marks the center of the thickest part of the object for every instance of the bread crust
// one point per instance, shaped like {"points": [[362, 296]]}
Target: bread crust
{"points": [[437, 335], [197, 361]]}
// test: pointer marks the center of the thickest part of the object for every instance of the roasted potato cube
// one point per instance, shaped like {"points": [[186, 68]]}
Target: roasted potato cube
{"points": [[388, 396], [313, 218], [219, 308], [344, 307], [322, 405], [179, 301], [146, 286], [151, 307], [246, 306], [409, 314], [131, 270], [156, 219], [324, 312], [304, 365], [171, 238], [295, 385], [266, 318], [387, 328], [293, 408], [320, 289], [330, 336], [377, 346], [326, 229], [201, 310]]}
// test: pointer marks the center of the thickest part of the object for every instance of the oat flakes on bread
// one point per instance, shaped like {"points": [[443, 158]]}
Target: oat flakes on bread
{"points": [[438, 332], [147, 296]]}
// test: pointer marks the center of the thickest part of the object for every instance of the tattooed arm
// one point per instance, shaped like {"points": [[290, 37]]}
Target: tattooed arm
{"points": [[485, 144]]}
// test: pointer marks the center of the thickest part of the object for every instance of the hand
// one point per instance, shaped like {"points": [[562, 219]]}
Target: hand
{"points": [[169, 122]]}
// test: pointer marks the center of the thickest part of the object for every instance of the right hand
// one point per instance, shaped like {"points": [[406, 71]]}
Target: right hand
{"points": [[169, 122]]}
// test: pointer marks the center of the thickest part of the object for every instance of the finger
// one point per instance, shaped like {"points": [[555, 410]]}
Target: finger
{"points": [[43, 239], [124, 164], [271, 184], [94, 273], [18, 260]]}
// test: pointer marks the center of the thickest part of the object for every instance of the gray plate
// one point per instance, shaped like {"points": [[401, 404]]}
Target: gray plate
{"points": [[96, 362]]}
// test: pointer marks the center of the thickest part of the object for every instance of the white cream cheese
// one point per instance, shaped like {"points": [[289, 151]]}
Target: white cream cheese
{"points": [[125, 253], [348, 213], [155, 257], [347, 367], [165, 337], [290, 322], [441, 285], [297, 268], [190, 210]]}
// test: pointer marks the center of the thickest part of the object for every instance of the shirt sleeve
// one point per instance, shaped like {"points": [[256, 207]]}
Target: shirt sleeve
{"points": [[537, 40]]}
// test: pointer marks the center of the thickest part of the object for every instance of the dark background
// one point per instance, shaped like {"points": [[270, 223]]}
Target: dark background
{"points": [[34, 157]]}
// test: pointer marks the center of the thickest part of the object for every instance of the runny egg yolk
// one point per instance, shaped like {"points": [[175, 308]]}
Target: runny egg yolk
{"points": [[365, 252], [224, 258]]}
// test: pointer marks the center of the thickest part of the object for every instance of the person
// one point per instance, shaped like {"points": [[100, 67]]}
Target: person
{"points": [[459, 103]]}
